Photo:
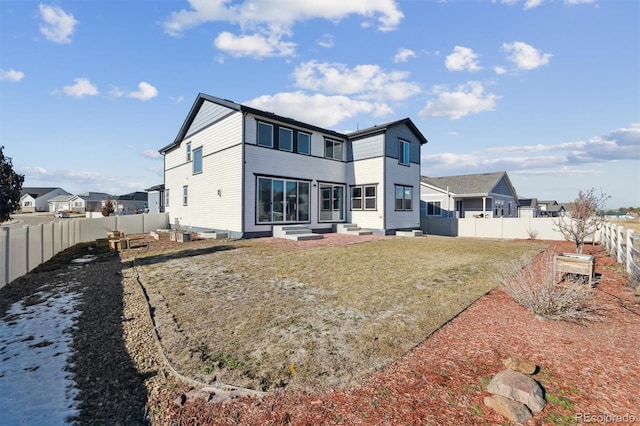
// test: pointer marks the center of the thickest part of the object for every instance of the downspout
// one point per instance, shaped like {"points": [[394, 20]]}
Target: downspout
{"points": [[484, 207], [242, 178]]}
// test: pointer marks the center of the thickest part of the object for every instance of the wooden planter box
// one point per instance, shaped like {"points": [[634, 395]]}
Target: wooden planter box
{"points": [[181, 237], [581, 264]]}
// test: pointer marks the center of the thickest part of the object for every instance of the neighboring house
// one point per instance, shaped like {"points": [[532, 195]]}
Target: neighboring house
{"points": [[528, 207], [132, 203], [551, 208], [93, 201], [33, 199], [241, 170], [156, 198], [464, 196], [66, 203]]}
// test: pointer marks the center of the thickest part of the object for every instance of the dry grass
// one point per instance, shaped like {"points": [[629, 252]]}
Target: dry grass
{"points": [[262, 316], [535, 288]]}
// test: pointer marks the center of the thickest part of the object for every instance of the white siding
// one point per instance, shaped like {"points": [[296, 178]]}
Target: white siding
{"points": [[402, 175], [367, 172], [221, 170], [207, 114], [369, 147]]}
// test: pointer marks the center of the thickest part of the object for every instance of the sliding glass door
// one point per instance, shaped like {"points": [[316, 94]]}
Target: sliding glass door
{"points": [[282, 200]]}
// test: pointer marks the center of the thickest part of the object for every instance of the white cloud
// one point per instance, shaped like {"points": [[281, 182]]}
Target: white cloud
{"points": [[500, 70], [530, 4], [327, 41], [572, 2], [403, 55], [524, 56], [363, 81], [58, 26], [468, 98], [462, 59], [82, 87], [321, 110], [116, 92], [151, 153], [255, 45], [144, 93], [264, 23], [11, 75], [273, 14]]}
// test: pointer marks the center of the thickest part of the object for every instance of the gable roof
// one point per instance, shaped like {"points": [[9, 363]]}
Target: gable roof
{"points": [[62, 198], [36, 192], [133, 196], [202, 97], [380, 128], [479, 184], [528, 202]]}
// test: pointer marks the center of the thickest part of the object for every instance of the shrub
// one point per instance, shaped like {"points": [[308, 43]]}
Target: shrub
{"points": [[535, 288], [533, 234]]}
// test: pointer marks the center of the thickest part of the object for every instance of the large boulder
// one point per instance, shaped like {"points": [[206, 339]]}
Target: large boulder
{"points": [[513, 410], [519, 387], [519, 364]]}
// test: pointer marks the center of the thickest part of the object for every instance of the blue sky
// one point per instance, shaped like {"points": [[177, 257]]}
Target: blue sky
{"points": [[547, 90]]}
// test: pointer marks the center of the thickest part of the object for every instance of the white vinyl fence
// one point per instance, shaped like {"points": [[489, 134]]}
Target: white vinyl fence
{"points": [[540, 228], [623, 245], [23, 249]]}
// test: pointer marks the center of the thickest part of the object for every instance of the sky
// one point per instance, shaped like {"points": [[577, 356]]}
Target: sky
{"points": [[546, 90]]}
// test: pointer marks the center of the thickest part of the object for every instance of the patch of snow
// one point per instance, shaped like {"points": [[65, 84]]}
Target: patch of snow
{"points": [[84, 259], [35, 346]]}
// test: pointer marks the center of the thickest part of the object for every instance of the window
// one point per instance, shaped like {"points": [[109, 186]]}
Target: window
{"points": [[333, 149], [331, 202], [403, 152], [304, 143], [185, 195], [166, 197], [370, 197], [433, 208], [188, 151], [282, 200], [499, 208], [363, 197], [285, 141], [265, 134], [404, 198], [77, 203], [356, 198], [197, 160]]}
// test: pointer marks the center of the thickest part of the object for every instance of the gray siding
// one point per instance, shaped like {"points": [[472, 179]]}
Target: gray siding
{"points": [[402, 132], [370, 147], [208, 114], [502, 188]]}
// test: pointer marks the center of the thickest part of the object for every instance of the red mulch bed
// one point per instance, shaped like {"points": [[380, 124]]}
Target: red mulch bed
{"points": [[591, 368]]}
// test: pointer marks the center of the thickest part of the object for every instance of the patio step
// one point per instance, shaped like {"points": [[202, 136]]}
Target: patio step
{"points": [[352, 229], [295, 232], [412, 233]]}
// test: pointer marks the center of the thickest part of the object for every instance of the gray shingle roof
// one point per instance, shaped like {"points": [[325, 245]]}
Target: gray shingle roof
{"points": [[36, 192], [480, 183]]}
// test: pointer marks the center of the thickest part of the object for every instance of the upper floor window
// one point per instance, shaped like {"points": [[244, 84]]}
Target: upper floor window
{"points": [[285, 141], [404, 198], [265, 134], [333, 149], [304, 143], [197, 160], [188, 148], [403, 152]]}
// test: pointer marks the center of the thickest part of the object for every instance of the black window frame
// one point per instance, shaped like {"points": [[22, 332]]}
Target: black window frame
{"points": [[404, 199], [401, 152], [264, 123]]}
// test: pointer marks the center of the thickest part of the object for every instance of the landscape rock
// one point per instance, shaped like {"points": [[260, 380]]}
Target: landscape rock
{"points": [[520, 364], [519, 387], [513, 410]]}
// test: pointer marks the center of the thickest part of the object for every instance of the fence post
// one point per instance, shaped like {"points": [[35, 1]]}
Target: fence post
{"points": [[619, 248], [7, 236], [26, 245], [41, 226], [629, 250]]}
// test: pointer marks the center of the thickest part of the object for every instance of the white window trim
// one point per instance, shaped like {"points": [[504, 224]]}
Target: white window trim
{"points": [[401, 144], [185, 195], [188, 147], [334, 143], [193, 167]]}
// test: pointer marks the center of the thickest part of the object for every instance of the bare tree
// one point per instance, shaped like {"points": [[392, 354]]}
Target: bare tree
{"points": [[108, 208], [584, 217]]}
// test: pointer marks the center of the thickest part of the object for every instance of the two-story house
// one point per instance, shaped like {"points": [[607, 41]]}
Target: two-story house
{"points": [[236, 169]]}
